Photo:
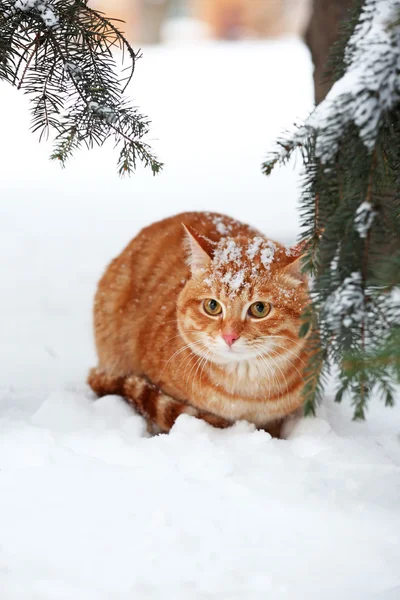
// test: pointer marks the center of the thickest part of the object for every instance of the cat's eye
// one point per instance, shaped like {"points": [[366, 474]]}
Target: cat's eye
{"points": [[212, 307], [259, 310]]}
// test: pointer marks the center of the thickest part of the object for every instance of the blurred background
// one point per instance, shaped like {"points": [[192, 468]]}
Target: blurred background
{"points": [[154, 21]]}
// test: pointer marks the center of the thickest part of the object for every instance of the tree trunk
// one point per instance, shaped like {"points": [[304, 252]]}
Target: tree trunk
{"points": [[152, 14], [322, 33]]}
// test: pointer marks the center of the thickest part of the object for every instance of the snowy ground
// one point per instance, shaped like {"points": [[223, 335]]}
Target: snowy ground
{"points": [[92, 509]]}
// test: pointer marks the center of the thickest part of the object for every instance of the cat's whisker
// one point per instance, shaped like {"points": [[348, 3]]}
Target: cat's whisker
{"points": [[185, 347], [265, 356], [278, 355], [280, 371], [283, 337], [197, 362], [290, 362], [170, 321], [286, 358], [270, 370], [203, 367], [187, 363], [287, 349], [205, 360], [169, 340], [185, 359], [177, 335], [283, 348], [259, 356], [188, 359]]}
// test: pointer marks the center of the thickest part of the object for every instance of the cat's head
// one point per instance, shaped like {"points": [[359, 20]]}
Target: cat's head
{"points": [[244, 297]]}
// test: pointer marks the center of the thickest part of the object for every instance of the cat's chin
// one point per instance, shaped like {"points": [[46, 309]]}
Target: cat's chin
{"points": [[222, 357], [229, 358]]}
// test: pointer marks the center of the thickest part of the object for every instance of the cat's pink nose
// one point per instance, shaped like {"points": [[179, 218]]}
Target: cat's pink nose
{"points": [[230, 338]]}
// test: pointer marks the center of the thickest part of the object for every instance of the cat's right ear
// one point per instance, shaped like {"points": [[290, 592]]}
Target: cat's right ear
{"points": [[199, 251]]}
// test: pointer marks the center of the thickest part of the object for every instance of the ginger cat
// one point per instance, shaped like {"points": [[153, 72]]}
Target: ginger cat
{"points": [[200, 314]]}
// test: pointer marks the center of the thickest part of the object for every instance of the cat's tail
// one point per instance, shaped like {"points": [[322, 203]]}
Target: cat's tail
{"points": [[159, 409]]}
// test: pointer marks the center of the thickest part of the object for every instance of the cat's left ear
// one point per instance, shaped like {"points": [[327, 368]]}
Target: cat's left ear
{"points": [[199, 250], [295, 266]]}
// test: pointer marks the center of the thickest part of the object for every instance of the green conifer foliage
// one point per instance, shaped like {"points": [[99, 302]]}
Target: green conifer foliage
{"points": [[350, 211], [62, 53]]}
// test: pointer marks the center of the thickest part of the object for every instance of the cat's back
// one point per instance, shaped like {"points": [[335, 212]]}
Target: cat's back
{"points": [[169, 233], [156, 257]]}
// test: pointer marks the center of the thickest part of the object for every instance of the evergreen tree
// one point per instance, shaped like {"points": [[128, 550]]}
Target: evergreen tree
{"points": [[350, 211], [61, 53]]}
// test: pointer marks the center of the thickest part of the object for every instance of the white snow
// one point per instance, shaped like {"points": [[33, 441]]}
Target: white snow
{"points": [[230, 252], [234, 280], [90, 507], [254, 247], [235, 264], [75, 70], [267, 254], [346, 303], [364, 218], [42, 7], [105, 112]]}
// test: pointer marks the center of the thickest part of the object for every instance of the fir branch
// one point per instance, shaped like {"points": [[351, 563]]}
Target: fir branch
{"points": [[315, 374], [61, 53], [350, 213]]}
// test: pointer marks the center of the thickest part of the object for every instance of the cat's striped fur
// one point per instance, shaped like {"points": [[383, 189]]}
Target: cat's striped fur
{"points": [[158, 347]]}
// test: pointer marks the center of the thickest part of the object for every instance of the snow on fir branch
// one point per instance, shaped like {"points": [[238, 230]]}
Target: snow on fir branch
{"points": [[62, 53], [345, 304], [40, 7], [364, 218], [369, 87]]}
